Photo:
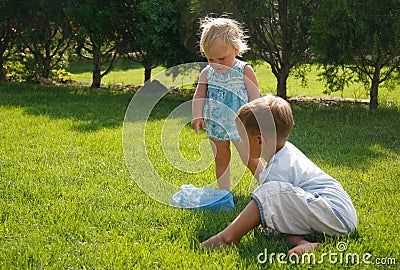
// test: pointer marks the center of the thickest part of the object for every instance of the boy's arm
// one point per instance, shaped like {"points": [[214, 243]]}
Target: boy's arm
{"points": [[198, 102], [251, 83], [247, 220]]}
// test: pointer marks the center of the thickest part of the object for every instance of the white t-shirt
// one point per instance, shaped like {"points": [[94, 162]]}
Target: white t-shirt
{"points": [[290, 165]]}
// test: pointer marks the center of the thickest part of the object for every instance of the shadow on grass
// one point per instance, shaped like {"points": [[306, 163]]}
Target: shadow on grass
{"points": [[346, 135], [253, 243], [258, 246], [94, 109], [82, 66]]}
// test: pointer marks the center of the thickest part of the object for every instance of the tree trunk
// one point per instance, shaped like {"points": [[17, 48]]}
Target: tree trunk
{"points": [[46, 68], [373, 94], [2, 75], [96, 67], [46, 61], [3, 46], [281, 84], [147, 73]]}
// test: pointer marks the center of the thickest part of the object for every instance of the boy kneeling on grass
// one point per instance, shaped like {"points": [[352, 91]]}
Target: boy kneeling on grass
{"points": [[296, 197]]}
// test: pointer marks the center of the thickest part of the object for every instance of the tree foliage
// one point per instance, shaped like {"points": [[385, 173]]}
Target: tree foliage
{"points": [[154, 38], [45, 32], [280, 34], [97, 35], [8, 31], [354, 40], [362, 36]]}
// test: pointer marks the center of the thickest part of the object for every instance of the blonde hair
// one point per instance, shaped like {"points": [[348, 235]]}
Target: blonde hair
{"points": [[261, 109], [222, 30]]}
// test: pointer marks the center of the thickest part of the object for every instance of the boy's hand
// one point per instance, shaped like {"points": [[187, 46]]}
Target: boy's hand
{"points": [[197, 123]]}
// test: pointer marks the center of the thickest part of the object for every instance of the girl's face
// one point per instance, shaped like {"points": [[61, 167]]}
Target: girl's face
{"points": [[221, 57]]}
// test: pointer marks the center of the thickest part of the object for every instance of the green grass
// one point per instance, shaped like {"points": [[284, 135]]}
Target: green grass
{"points": [[315, 87], [67, 199], [128, 72], [124, 71]]}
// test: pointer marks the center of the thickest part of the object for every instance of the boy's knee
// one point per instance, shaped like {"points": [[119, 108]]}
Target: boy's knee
{"points": [[278, 186], [275, 184]]}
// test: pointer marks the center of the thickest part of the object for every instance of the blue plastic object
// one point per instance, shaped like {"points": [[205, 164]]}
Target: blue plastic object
{"points": [[192, 197]]}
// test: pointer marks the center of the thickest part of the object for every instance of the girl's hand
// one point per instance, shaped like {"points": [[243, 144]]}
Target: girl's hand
{"points": [[197, 123]]}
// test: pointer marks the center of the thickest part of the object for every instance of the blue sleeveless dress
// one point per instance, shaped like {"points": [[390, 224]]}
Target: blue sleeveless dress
{"points": [[226, 93]]}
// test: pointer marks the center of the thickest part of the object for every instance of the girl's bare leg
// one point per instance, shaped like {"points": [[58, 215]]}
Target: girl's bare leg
{"points": [[222, 154], [247, 220]]}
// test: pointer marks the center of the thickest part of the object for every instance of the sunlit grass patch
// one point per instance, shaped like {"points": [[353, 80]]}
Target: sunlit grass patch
{"points": [[67, 199]]}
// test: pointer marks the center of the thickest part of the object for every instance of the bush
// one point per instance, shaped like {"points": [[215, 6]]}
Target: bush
{"points": [[21, 67], [24, 67], [14, 71], [61, 75]]}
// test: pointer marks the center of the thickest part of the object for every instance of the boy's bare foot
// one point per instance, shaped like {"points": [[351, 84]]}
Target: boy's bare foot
{"points": [[299, 244], [215, 242], [304, 247]]}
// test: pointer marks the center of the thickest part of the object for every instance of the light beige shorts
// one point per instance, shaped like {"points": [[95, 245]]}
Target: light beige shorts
{"points": [[291, 210]]}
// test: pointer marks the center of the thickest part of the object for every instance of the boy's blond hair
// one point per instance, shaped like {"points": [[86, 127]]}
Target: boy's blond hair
{"points": [[261, 109], [222, 30]]}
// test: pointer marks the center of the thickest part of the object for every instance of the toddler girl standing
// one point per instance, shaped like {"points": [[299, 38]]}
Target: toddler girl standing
{"points": [[224, 86]]}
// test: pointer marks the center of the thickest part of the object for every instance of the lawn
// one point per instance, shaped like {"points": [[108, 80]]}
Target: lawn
{"points": [[124, 71], [128, 72], [69, 199]]}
